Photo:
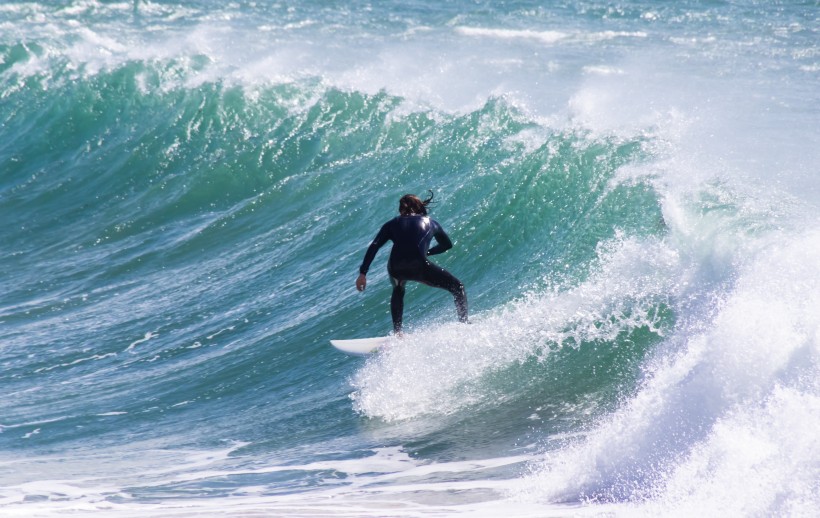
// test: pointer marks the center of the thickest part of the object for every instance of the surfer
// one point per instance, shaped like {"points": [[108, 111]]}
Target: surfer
{"points": [[411, 232]]}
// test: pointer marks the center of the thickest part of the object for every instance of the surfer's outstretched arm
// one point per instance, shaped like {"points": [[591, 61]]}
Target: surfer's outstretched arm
{"points": [[381, 239]]}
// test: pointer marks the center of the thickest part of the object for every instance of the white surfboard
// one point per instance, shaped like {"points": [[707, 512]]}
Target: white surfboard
{"points": [[360, 345]]}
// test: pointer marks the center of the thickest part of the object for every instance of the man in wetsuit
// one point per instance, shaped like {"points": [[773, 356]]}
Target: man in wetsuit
{"points": [[411, 232]]}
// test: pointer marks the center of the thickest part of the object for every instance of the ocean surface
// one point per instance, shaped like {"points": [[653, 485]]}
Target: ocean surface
{"points": [[188, 187]]}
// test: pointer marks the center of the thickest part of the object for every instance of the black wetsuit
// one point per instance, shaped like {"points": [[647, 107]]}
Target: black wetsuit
{"points": [[411, 236]]}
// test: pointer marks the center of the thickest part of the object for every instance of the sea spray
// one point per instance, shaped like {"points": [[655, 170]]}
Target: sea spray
{"points": [[441, 370]]}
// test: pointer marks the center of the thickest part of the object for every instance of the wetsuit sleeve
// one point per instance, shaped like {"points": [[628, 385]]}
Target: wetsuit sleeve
{"points": [[381, 239], [443, 242]]}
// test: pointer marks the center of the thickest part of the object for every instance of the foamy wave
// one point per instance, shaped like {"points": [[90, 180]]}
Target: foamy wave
{"points": [[385, 481], [548, 37], [603, 70], [741, 396], [507, 34], [439, 370]]}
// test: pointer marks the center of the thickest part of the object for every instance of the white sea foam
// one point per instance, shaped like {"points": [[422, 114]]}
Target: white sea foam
{"points": [[547, 36], [725, 403], [603, 70], [542, 36], [388, 481], [75, 362], [440, 370], [148, 336]]}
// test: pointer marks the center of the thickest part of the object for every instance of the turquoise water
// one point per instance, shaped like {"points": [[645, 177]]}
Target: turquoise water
{"points": [[187, 190]]}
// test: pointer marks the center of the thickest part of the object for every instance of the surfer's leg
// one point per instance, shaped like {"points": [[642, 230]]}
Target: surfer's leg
{"points": [[438, 277], [397, 303]]}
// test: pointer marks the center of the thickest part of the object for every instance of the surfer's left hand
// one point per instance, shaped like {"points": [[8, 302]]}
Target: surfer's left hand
{"points": [[361, 282]]}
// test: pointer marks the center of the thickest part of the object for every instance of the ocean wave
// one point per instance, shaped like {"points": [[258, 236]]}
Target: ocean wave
{"points": [[187, 190]]}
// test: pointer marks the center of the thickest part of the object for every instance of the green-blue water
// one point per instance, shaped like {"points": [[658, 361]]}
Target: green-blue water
{"points": [[187, 190]]}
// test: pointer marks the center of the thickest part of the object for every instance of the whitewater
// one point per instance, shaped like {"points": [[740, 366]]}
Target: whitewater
{"points": [[188, 187]]}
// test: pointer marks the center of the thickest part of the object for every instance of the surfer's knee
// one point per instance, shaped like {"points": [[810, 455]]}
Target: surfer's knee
{"points": [[397, 283]]}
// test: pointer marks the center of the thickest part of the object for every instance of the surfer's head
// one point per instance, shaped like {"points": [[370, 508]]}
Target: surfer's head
{"points": [[410, 205]]}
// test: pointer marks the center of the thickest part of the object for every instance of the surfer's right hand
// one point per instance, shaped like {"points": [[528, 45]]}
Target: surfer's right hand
{"points": [[361, 282]]}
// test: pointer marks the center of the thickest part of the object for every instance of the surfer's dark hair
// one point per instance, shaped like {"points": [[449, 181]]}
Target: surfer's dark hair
{"points": [[410, 204]]}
